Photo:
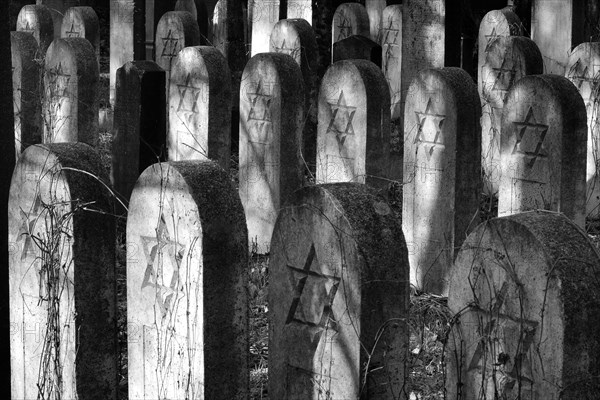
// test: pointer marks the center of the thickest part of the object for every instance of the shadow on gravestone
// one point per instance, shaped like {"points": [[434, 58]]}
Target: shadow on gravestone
{"points": [[198, 10], [62, 275], [37, 20], [357, 47], [82, 22], [338, 297], [349, 19], [524, 291]]}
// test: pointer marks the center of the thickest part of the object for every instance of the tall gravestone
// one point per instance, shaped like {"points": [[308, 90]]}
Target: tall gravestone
{"points": [[26, 91], [62, 276], [271, 122], [543, 148], [187, 283], [82, 22], [442, 182], [527, 317], [228, 33], [264, 16], [357, 47], [70, 107], [349, 19], [338, 297], [300, 9], [375, 11], [37, 20], [200, 106], [508, 59], [583, 69], [140, 125]]}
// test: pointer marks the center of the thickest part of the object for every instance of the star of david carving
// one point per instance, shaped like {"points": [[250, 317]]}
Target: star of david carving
{"points": [[429, 133], [59, 83], [28, 27], [490, 39], [290, 51], [162, 253], [530, 138], [344, 28], [341, 119], [28, 222], [72, 32], [170, 45], [260, 100], [505, 78], [390, 31], [189, 93], [327, 286], [585, 80]]}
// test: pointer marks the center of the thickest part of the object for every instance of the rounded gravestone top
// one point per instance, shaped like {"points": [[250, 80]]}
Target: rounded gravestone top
{"points": [[37, 20]]}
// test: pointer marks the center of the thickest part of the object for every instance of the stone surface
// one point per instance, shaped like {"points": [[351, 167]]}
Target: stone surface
{"points": [[300, 9], [82, 22], [187, 285], [200, 106], [375, 11], [62, 276], [140, 126], [228, 33], [70, 107], [543, 148], [357, 47], [57, 9], [264, 14], [508, 59], [390, 39], [37, 20], [528, 311], [198, 10], [154, 10], [442, 164], [338, 279], [349, 19], [175, 30]]}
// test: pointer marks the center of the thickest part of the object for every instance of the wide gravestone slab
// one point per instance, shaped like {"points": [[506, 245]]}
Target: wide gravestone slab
{"points": [[583, 70], [70, 106], [175, 30], [264, 14], [338, 297], [187, 283], [543, 148], [527, 311], [200, 106], [37, 20], [349, 19], [357, 47], [62, 276], [508, 59], [442, 182], [271, 122], [82, 22]]}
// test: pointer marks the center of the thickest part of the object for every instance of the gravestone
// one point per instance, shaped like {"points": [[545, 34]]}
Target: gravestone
{"points": [[82, 22], [187, 283], [338, 297], [57, 8], [70, 106], [543, 148], [140, 125], [357, 47], [62, 276], [300, 9], [375, 11], [353, 132], [198, 10], [508, 59], [442, 181], [349, 19], [271, 122], [37, 20], [583, 70], [264, 16], [527, 315], [228, 34], [26, 91], [154, 10], [200, 106], [175, 30]]}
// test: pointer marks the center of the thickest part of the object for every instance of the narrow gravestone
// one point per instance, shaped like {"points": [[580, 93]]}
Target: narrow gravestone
{"points": [[357, 47], [527, 312], [508, 59], [375, 11], [140, 126], [300, 9], [187, 283], [543, 148], [349, 19], [26, 91], [264, 16], [62, 276], [228, 33], [70, 107], [200, 106], [353, 132], [338, 298], [442, 181], [198, 10], [583, 70], [82, 22], [37, 20], [271, 122]]}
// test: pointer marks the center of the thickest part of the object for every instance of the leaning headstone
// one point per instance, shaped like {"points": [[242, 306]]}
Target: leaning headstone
{"points": [[37, 20], [62, 276], [349, 19], [508, 59], [187, 285], [200, 106], [338, 298], [357, 47], [583, 70], [26, 91], [139, 129], [375, 11], [271, 121], [70, 107], [82, 22], [442, 181], [265, 14], [527, 312], [300, 9], [543, 148]]}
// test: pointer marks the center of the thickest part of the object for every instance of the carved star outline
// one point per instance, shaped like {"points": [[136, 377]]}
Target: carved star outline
{"points": [[170, 44], [530, 127], [344, 28], [28, 222], [437, 120], [346, 114], [72, 32], [501, 73], [260, 101]]}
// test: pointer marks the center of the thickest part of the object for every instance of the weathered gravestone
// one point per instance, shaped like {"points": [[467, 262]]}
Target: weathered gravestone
{"points": [[357, 47], [198, 10], [390, 39], [70, 106], [200, 106], [57, 9], [442, 181], [583, 70], [139, 130], [37, 20], [82, 22], [271, 122], [527, 311], [338, 298], [187, 283], [300, 9], [26, 91], [349, 19], [375, 11], [543, 148], [62, 276], [264, 14], [354, 131], [175, 30], [508, 59]]}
